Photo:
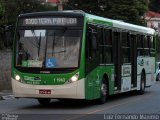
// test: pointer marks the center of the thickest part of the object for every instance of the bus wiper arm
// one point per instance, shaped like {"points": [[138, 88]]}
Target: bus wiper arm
{"points": [[62, 51], [45, 52], [53, 44], [39, 45], [35, 37]]}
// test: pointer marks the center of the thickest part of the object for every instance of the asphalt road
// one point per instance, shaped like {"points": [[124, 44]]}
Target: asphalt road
{"points": [[122, 106]]}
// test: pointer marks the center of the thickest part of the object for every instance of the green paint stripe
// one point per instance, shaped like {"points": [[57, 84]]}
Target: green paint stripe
{"points": [[100, 22], [106, 64]]}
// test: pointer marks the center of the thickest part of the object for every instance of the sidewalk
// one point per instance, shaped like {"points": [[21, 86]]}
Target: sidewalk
{"points": [[6, 94]]}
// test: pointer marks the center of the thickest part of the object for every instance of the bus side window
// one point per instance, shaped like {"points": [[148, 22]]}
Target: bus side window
{"points": [[126, 48], [107, 47], [91, 44], [94, 42], [140, 42], [152, 45], [92, 58], [88, 35], [146, 46], [151, 42], [94, 45]]}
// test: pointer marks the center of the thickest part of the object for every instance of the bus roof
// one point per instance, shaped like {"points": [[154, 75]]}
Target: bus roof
{"points": [[50, 13], [95, 19], [119, 24]]}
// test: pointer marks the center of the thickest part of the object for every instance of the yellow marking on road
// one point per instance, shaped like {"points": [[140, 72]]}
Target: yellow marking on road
{"points": [[92, 112]]}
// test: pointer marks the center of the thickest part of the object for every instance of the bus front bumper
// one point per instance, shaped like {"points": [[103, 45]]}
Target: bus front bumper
{"points": [[74, 90]]}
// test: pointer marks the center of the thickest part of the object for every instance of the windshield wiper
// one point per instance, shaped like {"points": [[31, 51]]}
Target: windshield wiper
{"points": [[62, 51], [39, 45], [35, 37], [45, 52], [53, 44]]}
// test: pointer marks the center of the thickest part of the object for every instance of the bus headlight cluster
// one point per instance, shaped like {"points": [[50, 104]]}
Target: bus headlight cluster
{"points": [[17, 77], [74, 78]]}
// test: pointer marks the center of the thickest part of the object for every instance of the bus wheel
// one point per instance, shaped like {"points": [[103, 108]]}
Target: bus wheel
{"points": [[142, 86], [44, 101], [103, 93], [158, 77]]}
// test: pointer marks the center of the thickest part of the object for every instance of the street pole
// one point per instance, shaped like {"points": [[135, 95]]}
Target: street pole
{"points": [[60, 5]]}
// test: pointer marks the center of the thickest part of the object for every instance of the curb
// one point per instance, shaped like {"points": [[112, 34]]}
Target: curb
{"points": [[6, 97], [6, 94]]}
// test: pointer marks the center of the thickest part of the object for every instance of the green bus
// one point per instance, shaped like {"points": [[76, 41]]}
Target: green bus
{"points": [[75, 55]]}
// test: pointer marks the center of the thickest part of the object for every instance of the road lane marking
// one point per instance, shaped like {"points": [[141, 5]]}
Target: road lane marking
{"points": [[110, 107]]}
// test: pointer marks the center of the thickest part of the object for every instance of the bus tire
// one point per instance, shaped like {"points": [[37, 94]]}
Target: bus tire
{"points": [[158, 77], [103, 92], [142, 85], [44, 101]]}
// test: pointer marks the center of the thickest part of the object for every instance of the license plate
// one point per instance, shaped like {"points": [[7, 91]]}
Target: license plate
{"points": [[44, 91]]}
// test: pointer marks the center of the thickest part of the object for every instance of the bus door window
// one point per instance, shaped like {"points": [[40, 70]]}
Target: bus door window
{"points": [[91, 48], [91, 43], [117, 59]]}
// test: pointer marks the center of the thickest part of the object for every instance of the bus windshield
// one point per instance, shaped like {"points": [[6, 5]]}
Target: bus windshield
{"points": [[48, 48]]}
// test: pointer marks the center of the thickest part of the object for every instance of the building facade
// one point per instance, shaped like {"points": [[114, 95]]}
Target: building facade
{"points": [[153, 20]]}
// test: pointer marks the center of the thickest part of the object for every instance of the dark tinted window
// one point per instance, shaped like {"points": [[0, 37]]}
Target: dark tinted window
{"points": [[125, 47], [106, 47]]}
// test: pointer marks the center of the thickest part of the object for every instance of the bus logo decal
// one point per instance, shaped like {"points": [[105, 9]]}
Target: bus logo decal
{"points": [[50, 63], [141, 62]]}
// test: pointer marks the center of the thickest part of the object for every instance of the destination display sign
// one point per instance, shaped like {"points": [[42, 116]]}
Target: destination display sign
{"points": [[49, 22]]}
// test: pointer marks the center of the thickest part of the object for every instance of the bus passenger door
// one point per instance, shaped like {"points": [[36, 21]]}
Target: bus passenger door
{"points": [[91, 62], [133, 60], [117, 59]]}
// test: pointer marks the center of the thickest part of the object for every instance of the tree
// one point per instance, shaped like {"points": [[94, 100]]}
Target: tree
{"points": [[154, 5], [89, 6], [24, 6], [126, 10], [10, 9], [2, 22]]}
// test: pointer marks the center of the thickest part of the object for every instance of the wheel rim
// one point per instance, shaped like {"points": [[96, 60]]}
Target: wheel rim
{"points": [[104, 89], [142, 85], [159, 77], [142, 82]]}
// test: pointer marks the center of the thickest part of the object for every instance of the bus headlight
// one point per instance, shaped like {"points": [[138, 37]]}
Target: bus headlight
{"points": [[17, 77], [74, 78]]}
